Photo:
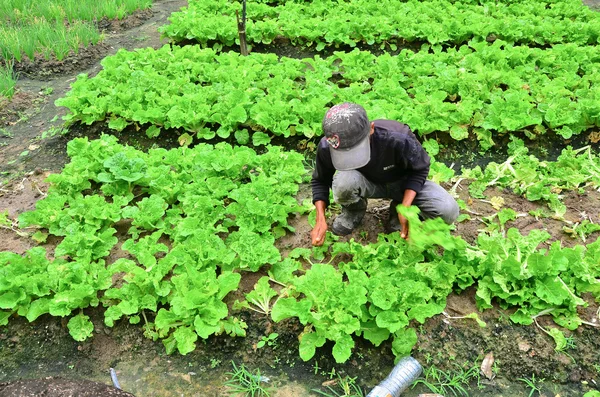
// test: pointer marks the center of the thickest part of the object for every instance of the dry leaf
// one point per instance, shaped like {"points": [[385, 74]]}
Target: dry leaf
{"points": [[497, 202], [486, 366]]}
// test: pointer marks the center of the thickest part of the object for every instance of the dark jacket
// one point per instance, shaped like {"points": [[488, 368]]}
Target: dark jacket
{"points": [[396, 155]]}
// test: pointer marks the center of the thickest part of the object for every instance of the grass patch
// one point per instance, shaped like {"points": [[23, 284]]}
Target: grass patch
{"points": [[8, 80], [54, 28], [246, 383]]}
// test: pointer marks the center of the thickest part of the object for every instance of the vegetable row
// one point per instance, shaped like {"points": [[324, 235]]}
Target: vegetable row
{"points": [[195, 220], [479, 89], [328, 22], [185, 212]]}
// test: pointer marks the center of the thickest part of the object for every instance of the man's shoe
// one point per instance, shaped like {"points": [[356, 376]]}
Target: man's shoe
{"points": [[393, 221], [350, 218]]}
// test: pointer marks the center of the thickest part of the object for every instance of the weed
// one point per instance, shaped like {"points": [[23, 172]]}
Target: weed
{"points": [[332, 373], [348, 387], [53, 131], [496, 368], [243, 381], [428, 358], [214, 363], [570, 343], [450, 382], [141, 38], [504, 318], [533, 385], [316, 367]]}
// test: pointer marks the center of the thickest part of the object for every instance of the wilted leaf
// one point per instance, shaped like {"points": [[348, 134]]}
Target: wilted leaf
{"points": [[497, 202], [486, 366], [185, 140]]}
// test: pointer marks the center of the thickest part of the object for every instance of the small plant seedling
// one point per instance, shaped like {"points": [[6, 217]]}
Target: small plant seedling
{"points": [[214, 363], [317, 368], [270, 341]]}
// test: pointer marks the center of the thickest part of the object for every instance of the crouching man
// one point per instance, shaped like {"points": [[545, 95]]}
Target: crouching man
{"points": [[359, 159]]}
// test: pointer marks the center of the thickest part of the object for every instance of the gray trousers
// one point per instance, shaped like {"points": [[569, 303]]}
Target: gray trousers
{"points": [[433, 200]]}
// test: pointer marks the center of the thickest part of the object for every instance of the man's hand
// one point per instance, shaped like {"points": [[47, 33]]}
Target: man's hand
{"points": [[318, 234], [409, 196], [404, 225]]}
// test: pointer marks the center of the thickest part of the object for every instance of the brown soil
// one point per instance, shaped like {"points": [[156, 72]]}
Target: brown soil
{"points": [[593, 4], [120, 25], [59, 387], [18, 107], [44, 69]]}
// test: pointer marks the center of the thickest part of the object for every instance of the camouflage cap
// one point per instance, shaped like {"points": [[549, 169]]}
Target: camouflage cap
{"points": [[346, 127]]}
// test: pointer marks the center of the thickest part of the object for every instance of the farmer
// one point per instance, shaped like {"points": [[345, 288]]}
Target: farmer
{"points": [[379, 159]]}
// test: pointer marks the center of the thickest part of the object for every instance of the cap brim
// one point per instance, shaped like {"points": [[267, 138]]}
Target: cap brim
{"points": [[353, 158]]}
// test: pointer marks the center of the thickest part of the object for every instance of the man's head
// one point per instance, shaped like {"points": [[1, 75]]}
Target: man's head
{"points": [[346, 127]]}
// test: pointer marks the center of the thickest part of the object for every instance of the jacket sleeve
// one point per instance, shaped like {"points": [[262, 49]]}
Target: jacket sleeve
{"points": [[322, 177], [414, 160]]}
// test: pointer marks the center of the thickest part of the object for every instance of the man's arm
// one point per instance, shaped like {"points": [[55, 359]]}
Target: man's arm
{"points": [[415, 161], [318, 233], [321, 183]]}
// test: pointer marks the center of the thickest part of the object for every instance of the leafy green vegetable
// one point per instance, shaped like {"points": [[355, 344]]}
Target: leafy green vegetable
{"points": [[80, 327], [459, 91]]}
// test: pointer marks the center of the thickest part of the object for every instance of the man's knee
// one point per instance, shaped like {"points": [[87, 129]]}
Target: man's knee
{"points": [[346, 187], [448, 210]]}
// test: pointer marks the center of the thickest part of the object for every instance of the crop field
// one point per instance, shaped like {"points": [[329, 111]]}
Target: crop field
{"points": [[155, 200]]}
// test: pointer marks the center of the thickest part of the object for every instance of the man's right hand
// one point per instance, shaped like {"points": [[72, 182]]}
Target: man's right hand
{"points": [[318, 233]]}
